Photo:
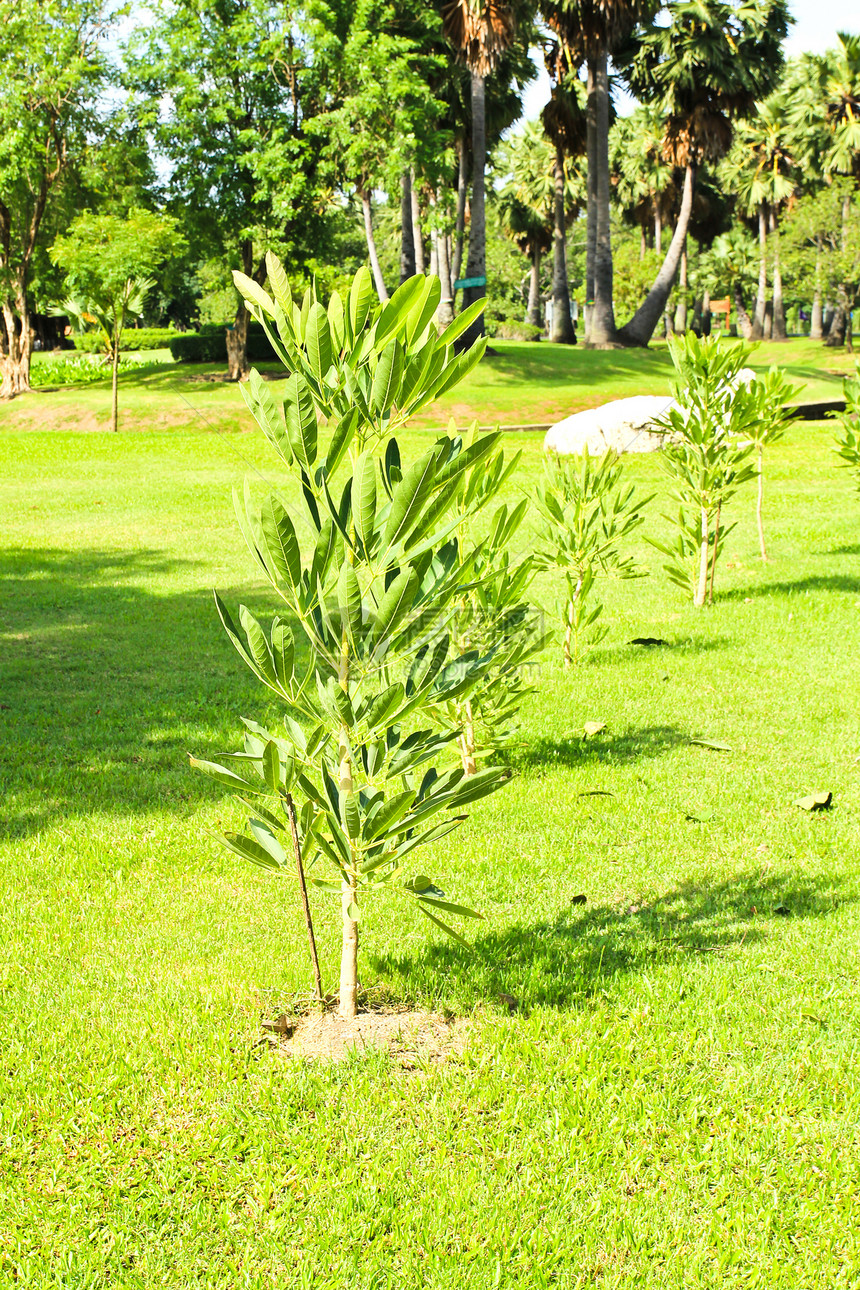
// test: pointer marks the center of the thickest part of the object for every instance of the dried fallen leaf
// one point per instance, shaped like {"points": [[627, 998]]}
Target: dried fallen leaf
{"points": [[593, 727], [712, 743], [700, 817], [815, 802]]}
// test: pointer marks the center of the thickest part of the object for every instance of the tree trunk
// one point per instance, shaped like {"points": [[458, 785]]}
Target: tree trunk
{"points": [[658, 226], [767, 330], [477, 262], [591, 207], [407, 239], [16, 341], [641, 326], [534, 311], [348, 953], [838, 325], [114, 385], [744, 320], [238, 367], [702, 585], [417, 236], [758, 509], [434, 254], [460, 222], [643, 242], [378, 279], [680, 321], [467, 741], [761, 296], [816, 328], [562, 326], [445, 312], [778, 330], [602, 332]]}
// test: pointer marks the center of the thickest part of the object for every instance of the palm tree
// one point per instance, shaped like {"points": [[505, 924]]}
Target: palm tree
{"points": [[564, 121], [480, 32], [761, 171], [590, 31], [643, 182], [708, 65]]}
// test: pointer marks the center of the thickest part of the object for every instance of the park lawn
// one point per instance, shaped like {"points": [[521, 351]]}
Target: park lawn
{"points": [[520, 383], [676, 1100]]}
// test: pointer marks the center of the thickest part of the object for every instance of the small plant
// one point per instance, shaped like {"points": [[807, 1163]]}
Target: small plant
{"points": [[491, 617], [587, 515], [708, 453], [368, 701], [78, 369], [848, 439], [771, 393]]}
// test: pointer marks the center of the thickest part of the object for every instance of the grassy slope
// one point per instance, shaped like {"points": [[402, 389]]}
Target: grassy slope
{"points": [[559, 381], [677, 1103]]}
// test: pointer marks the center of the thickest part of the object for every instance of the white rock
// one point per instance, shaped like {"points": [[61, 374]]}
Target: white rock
{"points": [[625, 425]]}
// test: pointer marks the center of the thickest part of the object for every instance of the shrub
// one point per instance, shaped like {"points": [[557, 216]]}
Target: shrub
{"points": [[587, 515], [78, 369], [708, 455], [133, 339]]}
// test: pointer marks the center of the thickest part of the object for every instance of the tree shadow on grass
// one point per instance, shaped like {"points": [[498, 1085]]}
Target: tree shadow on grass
{"points": [[634, 745], [844, 550], [847, 583], [563, 962], [107, 682]]}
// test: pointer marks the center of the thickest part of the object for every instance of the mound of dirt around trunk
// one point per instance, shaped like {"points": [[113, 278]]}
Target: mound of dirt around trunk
{"points": [[408, 1036]]}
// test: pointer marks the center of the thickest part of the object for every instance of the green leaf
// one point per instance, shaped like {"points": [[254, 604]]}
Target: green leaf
{"points": [[392, 320], [349, 602], [260, 652], [462, 322], [250, 849], [253, 294], [279, 283], [281, 541], [385, 814], [223, 775], [395, 605], [343, 433], [267, 840], [386, 378], [409, 496], [283, 652], [318, 342], [422, 312], [350, 815], [364, 499], [301, 419], [272, 766], [361, 298], [449, 931], [449, 907]]}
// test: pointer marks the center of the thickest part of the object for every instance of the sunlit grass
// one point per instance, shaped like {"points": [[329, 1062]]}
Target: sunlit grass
{"points": [[675, 1101]]}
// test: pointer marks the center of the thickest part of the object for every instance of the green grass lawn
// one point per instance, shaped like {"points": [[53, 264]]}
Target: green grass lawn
{"points": [[520, 383], [676, 1103]]}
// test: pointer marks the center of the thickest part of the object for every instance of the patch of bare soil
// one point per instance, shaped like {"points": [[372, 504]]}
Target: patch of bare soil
{"points": [[409, 1037]]}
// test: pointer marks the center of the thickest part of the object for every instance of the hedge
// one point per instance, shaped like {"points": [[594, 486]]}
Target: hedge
{"points": [[209, 345], [133, 339]]}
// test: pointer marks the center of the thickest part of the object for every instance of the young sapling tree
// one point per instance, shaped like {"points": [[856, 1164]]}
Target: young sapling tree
{"points": [[771, 393], [707, 452], [848, 439], [373, 594], [587, 514], [108, 260]]}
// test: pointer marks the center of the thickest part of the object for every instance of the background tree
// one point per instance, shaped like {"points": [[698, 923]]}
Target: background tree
{"points": [[108, 260], [224, 90], [564, 120], [707, 65], [52, 72]]}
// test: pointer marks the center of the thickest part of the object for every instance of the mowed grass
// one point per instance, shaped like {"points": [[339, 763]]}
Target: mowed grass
{"points": [[675, 1101], [519, 383]]}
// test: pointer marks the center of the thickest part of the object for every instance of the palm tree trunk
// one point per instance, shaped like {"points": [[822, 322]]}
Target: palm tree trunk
{"points": [[417, 238], [445, 312], [658, 226], [816, 328], [641, 326], [778, 331], [562, 327], [680, 321], [381, 289], [591, 209], [476, 266], [407, 239], [643, 242], [434, 254], [744, 320], [460, 222], [534, 311], [761, 297], [602, 331]]}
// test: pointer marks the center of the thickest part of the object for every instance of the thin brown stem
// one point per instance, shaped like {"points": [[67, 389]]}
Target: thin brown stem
{"points": [[714, 556], [758, 510], [309, 922]]}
